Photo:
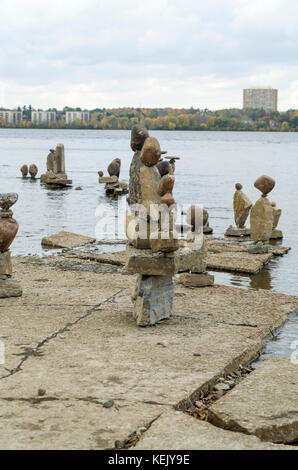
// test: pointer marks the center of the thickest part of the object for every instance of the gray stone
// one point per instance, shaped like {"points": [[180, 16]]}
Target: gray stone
{"points": [[196, 280], [265, 403], [148, 263], [276, 234], [191, 255], [153, 299], [10, 288], [258, 249], [7, 200], [237, 232]]}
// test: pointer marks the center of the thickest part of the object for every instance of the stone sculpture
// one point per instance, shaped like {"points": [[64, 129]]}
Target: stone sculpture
{"points": [[113, 186], [242, 205], [114, 167], [276, 233], [56, 174], [24, 170], [33, 170], [153, 250], [8, 230], [261, 216]]}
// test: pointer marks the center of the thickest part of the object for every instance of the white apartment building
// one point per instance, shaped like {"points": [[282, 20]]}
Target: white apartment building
{"points": [[43, 116], [11, 117], [71, 116]]}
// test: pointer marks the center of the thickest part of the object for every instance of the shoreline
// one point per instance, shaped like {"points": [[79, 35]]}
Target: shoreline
{"points": [[72, 335]]}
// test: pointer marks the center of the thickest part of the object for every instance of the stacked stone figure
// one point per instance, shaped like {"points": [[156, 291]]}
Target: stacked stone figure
{"points": [[113, 186], [242, 205], [56, 175], [154, 251], [8, 230], [32, 170], [261, 216]]}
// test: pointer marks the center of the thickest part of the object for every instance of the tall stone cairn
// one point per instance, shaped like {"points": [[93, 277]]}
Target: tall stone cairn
{"points": [[8, 230]]}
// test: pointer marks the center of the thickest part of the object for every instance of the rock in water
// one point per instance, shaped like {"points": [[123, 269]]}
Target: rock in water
{"points": [[276, 214], [114, 167], [265, 184], [261, 221], [153, 299], [151, 152], [138, 136], [33, 170], [242, 206], [24, 170]]}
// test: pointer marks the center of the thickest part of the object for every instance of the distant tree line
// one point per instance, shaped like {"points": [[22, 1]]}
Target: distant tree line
{"points": [[170, 119]]}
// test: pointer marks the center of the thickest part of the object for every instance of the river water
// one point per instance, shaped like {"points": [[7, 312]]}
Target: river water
{"points": [[211, 163]]}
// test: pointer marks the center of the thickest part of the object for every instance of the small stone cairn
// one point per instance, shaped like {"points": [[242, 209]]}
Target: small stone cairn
{"points": [[113, 186], [32, 170], [56, 175], [153, 249], [242, 205], [261, 216], [8, 230]]}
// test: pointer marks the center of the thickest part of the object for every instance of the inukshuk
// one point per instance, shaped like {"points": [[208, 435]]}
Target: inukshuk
{"points": [[242, 205], [113, 186], [261, 216], [56, 174], [153, 250], [8, 230]]}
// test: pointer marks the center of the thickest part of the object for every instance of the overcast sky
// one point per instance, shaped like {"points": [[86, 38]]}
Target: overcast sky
{"points": [[149, 53]]}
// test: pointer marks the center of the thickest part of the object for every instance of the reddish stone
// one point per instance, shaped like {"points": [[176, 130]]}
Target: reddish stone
{"points": [[8, 230], [100, 174], [168, 200]]}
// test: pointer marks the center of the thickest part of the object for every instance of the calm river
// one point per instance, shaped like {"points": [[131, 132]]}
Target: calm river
{"points": [[211, 163]]}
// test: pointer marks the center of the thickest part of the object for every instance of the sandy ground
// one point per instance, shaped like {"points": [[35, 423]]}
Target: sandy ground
{"points": [[72, 345]]}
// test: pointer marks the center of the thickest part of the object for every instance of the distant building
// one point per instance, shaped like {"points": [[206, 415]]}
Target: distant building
{"points": [[11, 117], [260, 98], [43, 116], [71, 116]]}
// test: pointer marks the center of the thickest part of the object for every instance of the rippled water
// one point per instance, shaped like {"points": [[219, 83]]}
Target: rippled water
{"points": [[211, 163]]}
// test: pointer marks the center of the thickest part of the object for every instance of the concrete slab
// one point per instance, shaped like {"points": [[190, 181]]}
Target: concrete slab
{"points": [[179, 431], [66, 240], [73, 335], [238, 261], [264, 404]]}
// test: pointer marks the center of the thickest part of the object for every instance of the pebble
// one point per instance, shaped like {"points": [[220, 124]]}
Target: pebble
{"points": [[108, 404], [41, 392], [221, 386]]}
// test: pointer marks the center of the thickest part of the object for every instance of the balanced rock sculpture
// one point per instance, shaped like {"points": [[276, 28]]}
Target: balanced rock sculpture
{"points": [[33, 170], [261, 216], [56, 175], [8, 230], [242, 205], [24, 170], [113, 186], [153, 250]]}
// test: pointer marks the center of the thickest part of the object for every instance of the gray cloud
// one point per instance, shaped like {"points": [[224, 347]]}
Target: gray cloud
{"points": [[166, 52]]}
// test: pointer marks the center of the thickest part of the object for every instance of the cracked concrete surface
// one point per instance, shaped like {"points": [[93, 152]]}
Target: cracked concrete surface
{"points": [[72, 334]]}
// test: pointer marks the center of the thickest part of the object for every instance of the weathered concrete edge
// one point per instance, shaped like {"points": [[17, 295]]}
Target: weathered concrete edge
{"points": [[247, 356]]}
